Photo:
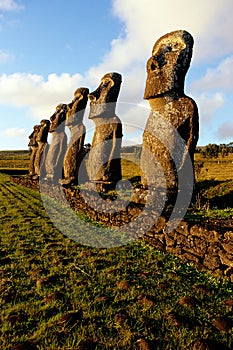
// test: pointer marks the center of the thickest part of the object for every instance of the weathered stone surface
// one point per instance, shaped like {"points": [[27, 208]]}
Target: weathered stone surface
{"points": [[171, 132], [75, 150], [34, 147], [226, 258], [188, 301], [198, 231], [228, 247], [229, 236], [57, 149], [104, 165], [142, 344], [222, 324], [42, 147], [212, 262]]}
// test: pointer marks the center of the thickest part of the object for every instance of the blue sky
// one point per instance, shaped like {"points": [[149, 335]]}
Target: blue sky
{"points": [[50, 48]]}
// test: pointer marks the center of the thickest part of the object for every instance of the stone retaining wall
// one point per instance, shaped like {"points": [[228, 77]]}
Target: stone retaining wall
{"points": [[208, 245]]}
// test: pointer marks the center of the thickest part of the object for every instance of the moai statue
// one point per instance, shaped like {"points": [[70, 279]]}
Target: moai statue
{"points": [[171, 132], [41, 140], [74, 120], [55, 156], [34, 147], [104, 164]]}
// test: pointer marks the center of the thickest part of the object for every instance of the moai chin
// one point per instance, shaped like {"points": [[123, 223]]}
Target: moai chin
{"points": [[171, 132], [55, 156], [41, 140], [104, 164], [34, 147], [75, 150]]}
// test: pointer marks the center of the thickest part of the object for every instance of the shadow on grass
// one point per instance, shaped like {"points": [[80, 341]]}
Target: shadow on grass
{"points": [[13, 171], [216, 193]]}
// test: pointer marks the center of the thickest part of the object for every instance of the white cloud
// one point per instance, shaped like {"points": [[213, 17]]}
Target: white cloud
{"points": [[9, 5], [14, 132], [39, 95], [208, 104], [225, 131], [220, 77]]}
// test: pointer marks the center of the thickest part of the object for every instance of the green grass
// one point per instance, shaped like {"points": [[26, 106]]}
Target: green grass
{"points": [[57, 294], [219, 169], [214, 201], [14, 160]]}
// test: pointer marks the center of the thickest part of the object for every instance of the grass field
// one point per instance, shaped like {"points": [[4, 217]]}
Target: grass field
{"points": [[14, 160], [56, 294], [218, 169]]}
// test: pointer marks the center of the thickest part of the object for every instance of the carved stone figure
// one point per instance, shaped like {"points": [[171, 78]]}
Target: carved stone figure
{"points": [[171, 132], [34, 147], [74, 120], [41, 140], [57, 149], [104, 164]]}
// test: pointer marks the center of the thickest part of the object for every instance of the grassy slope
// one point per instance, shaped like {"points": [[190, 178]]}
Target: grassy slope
{"points": [[219, 169], [14, 159], [60, 295]]}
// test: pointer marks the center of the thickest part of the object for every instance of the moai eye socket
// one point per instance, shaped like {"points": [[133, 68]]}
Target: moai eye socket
{"points": [[153, 66], [105, 83]]}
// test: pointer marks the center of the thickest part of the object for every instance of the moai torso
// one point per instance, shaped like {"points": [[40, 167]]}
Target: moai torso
{"points": [[171, 132], [57, 149], [34, 147], [104, 164], [74, 121], [41, 140]]}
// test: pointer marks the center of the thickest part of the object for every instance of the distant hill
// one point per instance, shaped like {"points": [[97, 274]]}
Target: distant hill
{"points": [[13, 152]]}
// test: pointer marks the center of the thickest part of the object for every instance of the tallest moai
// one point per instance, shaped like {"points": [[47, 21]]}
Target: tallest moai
{"points": [[171, 132]]}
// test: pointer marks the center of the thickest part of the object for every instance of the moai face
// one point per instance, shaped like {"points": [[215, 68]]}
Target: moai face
{"points": [[44, 129], [168, 65], [103, 99], [33, 136], [58, 118], [45, 124], [76, 109]]}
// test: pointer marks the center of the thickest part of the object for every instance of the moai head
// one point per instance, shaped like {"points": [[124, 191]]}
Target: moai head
{"points": [[44, 129], [76, 108], [103, 99], [168, 65], [58, 118], [33, 136]]}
